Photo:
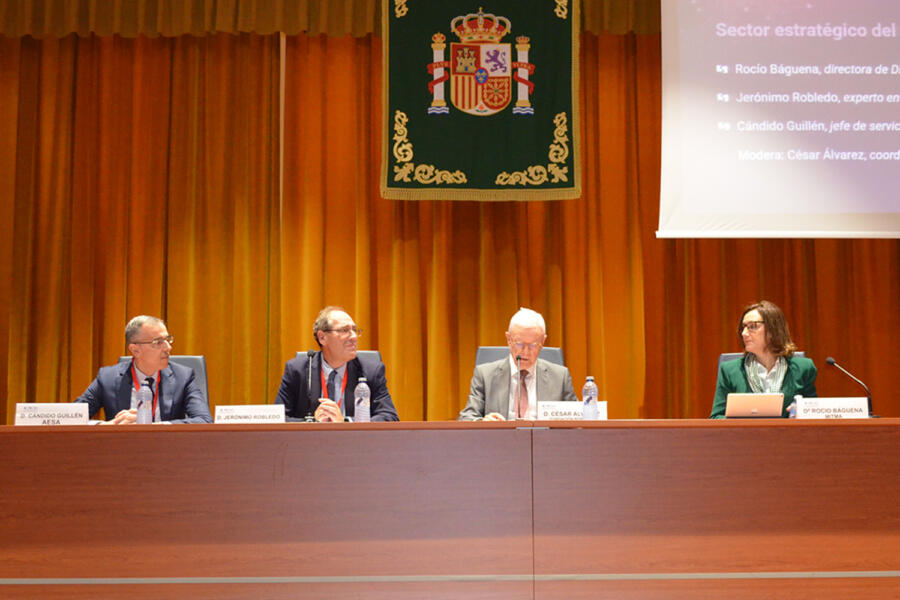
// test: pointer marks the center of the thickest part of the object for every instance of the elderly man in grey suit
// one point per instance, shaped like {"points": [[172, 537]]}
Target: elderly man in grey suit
{"points": [[511, 387]]}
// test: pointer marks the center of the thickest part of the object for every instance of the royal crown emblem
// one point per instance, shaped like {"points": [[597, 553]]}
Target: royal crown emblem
{"points": [[481, 69]]}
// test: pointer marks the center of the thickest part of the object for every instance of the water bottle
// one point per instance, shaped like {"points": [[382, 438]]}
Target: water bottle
{"points": [[136, 397], [144, 405], [792, 407], [589, 394], [361, 402]]}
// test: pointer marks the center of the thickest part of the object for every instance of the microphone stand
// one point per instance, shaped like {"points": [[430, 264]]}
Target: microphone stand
{"points": [[309, 418], [833, 363]]}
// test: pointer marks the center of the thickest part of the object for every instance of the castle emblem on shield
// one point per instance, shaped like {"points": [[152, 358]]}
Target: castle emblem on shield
{"points": [[481, 69]]}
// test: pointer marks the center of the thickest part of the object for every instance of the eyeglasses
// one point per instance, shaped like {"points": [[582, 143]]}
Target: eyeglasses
{"points": [[159, 342], [751, 326], [345, 331], [520, 346]]}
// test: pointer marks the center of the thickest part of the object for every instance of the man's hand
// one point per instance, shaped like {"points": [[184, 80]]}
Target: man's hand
{"points": [[328, 410], [494, 417], [126, 417]]}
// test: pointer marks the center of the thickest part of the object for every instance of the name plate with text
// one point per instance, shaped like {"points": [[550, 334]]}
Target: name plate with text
{"points": [[51, 413], [250, 413], [832, 408], [567, 411]]}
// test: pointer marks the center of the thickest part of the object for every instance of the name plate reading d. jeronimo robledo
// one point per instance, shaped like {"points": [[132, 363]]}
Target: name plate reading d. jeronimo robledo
{"points": [[833, 408], [567, 411], [51, 413], [250, 413]]}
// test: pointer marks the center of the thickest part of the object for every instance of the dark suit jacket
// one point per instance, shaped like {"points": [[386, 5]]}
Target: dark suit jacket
{"points": [[799, 379], [180, 399], [299, 402]]}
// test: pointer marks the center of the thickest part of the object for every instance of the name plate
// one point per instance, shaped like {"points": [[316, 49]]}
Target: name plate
{"points": [[832, 408], [51, 413], [567, 411], [250, 413]]}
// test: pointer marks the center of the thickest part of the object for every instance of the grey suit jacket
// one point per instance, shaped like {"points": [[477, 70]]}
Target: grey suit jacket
{"points": [[490, 387]]}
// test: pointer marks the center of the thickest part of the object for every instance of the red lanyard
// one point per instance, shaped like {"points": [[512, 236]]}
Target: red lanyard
{"points": [[325, 386], [137, 388]]}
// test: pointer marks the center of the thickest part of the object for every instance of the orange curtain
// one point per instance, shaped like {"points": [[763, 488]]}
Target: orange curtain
{"points": [[839, 297], [433, 280], [150, 18], [142, 176], [130, 18], [139, 176]]}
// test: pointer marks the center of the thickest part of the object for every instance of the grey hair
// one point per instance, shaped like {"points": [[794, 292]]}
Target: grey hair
{"points": [[527, 318], [322, 321], [135, 324]]}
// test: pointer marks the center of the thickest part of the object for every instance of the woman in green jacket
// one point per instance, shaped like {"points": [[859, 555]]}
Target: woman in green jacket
{"points": [[768, 365]]}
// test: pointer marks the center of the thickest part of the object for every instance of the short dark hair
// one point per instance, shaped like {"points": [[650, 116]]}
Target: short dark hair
{"points": [[135, 324], [778, 336], [322, 322]]}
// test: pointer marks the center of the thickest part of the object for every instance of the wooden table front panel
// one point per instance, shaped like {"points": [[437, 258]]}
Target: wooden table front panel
{"points": [[714, 498], [225, 502]]}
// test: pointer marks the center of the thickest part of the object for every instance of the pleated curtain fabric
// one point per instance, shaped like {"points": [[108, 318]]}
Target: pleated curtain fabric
{"points": [[141, 175]]}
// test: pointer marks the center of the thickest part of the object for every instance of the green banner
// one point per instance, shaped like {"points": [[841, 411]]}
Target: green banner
{"points": [[481, 100]]}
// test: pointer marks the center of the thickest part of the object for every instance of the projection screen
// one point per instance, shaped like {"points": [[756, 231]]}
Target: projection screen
{"points": [[780, 119]]}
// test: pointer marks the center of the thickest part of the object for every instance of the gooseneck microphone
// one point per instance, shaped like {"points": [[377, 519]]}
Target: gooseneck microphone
{"points": [[833, 363], [309, 418]]}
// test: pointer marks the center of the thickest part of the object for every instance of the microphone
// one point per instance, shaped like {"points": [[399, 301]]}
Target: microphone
{"points": [[309, 418], [833, 363]]}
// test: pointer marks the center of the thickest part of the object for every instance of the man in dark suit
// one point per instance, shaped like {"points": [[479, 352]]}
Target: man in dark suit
{"points": [[176, 396], [511, 387], [336, 370]]}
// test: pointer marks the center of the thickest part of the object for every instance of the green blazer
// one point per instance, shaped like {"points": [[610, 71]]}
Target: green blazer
{"points": [[799, 379]]}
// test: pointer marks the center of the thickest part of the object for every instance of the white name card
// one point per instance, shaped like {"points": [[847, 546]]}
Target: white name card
{"points": [[567, 411], [250, 413], [832, 408], [51, 413]]}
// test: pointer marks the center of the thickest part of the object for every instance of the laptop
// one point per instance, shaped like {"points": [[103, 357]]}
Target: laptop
{"points": [[753, 405]]}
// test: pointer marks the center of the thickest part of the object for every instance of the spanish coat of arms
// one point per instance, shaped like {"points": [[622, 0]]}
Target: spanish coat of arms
{"points": [[481, 69]]}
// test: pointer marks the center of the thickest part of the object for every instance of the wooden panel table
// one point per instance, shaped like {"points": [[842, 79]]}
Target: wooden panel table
{"points": [[300, 509], [618, 509], [737, 509]]}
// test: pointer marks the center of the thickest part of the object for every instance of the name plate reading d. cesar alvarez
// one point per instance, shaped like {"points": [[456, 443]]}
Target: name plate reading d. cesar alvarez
{"points": [[567, 411], [51, 413], [250, 413], [833, 408]]}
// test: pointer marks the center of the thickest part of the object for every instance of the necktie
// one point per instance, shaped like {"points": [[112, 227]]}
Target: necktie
{"points": [[522, 404], [149, 382], [332, 393]]}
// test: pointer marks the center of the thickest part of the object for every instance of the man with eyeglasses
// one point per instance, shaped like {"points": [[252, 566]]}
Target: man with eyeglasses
{"points": [[176, 396], [320, 385], [511, 387]]}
